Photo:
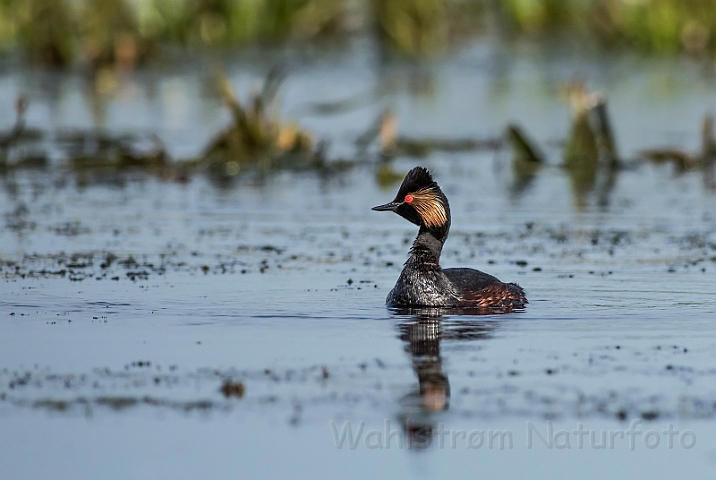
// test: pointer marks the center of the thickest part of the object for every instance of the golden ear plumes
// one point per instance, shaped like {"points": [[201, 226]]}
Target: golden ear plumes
{"points": [[429, 206]]}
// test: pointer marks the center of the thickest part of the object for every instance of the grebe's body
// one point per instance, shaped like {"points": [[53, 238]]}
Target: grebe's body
{"points": [[423, 283]]}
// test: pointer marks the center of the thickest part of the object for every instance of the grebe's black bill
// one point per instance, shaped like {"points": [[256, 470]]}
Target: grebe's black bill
{"points": [[388, 207]]}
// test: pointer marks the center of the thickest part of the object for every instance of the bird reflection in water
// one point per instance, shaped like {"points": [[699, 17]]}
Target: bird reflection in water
{"points": [[423, 330]]}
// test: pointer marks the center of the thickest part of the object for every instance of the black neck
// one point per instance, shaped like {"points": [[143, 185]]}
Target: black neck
{"points": [[428, 245]]}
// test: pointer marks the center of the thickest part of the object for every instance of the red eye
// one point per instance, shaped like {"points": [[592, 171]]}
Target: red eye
{"points": [[408, 198]]}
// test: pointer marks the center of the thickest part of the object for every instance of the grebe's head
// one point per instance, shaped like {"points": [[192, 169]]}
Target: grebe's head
{"points": [[420, 201]]}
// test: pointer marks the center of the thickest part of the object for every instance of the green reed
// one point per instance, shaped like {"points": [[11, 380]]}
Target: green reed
{"points": [[127, 32]]}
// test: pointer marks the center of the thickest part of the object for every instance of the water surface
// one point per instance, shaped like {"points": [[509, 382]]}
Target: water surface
{"points": [[126, 306]]}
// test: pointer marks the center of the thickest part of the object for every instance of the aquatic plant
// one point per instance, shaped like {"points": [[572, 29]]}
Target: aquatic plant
{"points": [[43, 27], [527, 160], [664, 26], [412, 26], [127, 32], [109, 34], [16, 145], [590, 154], [539, 16], [683, 161], [657, 25], [257, 136], [222, 22], [386, 176]]}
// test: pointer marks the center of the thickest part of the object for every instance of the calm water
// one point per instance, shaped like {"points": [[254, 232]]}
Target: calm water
{"points": [[114, 368]]}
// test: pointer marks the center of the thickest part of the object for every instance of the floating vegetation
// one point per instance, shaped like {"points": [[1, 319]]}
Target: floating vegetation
{"points": [[386, 176], [259, 140], [391, 144], [527, 160], [523, 149], [422, 147], [683, 161], [20, 135], [257, 137], [232, 389], [590, 155]]}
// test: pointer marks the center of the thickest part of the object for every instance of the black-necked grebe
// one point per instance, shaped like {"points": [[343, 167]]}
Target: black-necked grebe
{"points": [[422, 283]]}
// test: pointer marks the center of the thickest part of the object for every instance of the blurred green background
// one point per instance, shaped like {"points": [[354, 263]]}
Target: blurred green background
{"points": [[127, 33]]}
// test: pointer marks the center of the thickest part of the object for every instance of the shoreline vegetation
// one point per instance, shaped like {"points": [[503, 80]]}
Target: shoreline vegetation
{"points": [[127, 33]]}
